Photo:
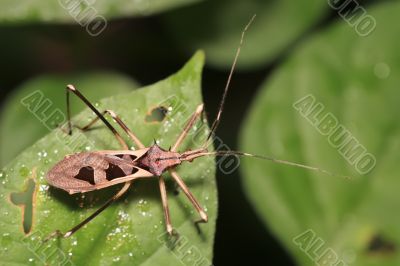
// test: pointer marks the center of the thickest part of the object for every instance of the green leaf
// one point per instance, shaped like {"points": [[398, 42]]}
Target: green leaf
{"points": [[19, 128], [80, 11], [356, 79], [216, 26], [132, 230]]}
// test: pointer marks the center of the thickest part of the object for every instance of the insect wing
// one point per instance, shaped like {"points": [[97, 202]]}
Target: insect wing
{"points": [[87, 171]]}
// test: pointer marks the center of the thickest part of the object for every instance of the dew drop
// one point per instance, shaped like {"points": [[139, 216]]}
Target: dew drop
{"points": [[43, 188], [382, 70], [24, 171]]}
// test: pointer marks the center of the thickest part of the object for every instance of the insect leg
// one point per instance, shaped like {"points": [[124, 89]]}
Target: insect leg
{"points": [[71, 88], [164, 200], [120, 123], [188, 193], [188, 126], [215, 124], [58, 233]]}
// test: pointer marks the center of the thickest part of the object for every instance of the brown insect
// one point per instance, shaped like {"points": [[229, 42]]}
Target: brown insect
{"points": [[88, 171]]}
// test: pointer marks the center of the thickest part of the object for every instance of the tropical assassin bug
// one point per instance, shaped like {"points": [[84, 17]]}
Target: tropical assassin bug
{"points": [[89, 171]]}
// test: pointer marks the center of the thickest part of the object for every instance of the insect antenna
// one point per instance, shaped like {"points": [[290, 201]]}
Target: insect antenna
{"points": [[191, 155], [217, 120]]}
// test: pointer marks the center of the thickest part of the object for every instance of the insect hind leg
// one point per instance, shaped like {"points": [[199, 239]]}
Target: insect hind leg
{"points": [[58, 233], [121, 123], [71, 88]]}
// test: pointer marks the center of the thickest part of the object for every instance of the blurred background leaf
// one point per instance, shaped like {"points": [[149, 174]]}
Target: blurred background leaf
{"points": [[18, 123], [356, 78], [216, 25], [131, 231], [66, 10]]}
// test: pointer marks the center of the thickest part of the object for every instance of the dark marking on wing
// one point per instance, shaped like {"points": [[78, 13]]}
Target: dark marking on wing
{"points": [[114, 171], [86, 174], [134, 170]]}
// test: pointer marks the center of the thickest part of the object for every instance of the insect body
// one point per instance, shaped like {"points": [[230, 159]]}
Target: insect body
{"points": [[88, 171]]}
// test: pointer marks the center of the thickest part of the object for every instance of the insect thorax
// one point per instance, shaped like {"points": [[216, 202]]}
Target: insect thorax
{"points": [[158, 160]]}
